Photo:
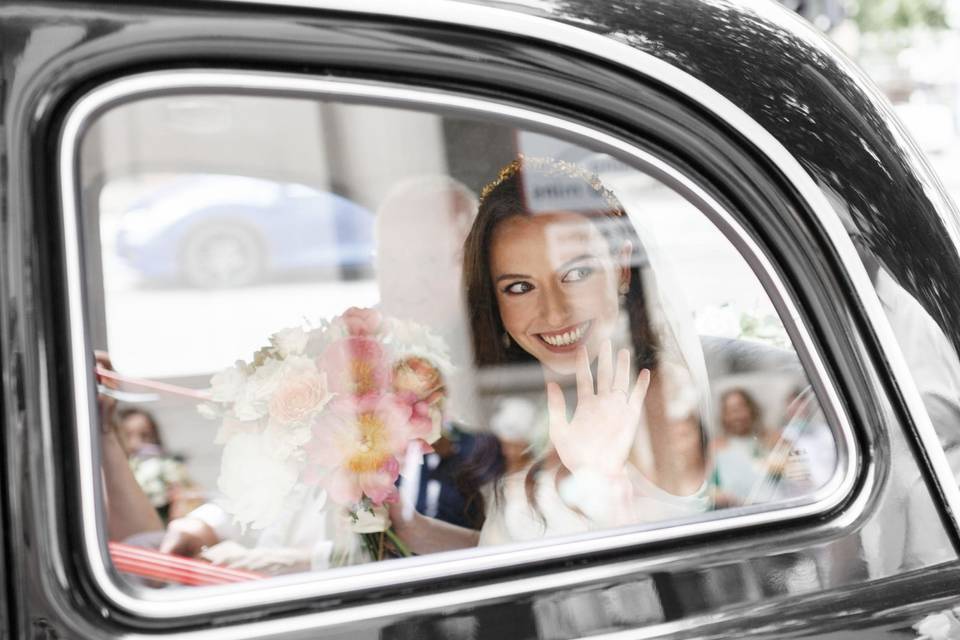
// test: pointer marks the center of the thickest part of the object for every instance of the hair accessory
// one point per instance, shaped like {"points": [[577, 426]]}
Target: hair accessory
{"points": [[554, 167]]}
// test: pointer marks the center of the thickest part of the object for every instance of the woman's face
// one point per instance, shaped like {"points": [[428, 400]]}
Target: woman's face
{"points": [[556, 285], [137, 431], [737, 416]]}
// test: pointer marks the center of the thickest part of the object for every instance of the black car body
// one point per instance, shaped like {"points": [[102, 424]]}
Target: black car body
{"points": [[744, 96]]}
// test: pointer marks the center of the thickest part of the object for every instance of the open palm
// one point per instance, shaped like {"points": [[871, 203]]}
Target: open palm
{"points": [[601, 432]]}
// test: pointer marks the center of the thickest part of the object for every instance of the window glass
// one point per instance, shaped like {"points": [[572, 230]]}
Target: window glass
{"points": [[334, 334]]}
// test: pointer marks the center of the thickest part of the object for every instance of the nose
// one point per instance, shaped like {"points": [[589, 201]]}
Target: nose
{"points": [[555, 306]]}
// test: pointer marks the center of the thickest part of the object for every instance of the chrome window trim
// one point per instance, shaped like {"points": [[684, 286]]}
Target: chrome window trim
{"points": [[165, 605]]}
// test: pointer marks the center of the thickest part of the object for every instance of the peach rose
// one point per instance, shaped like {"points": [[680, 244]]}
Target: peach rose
{"points": [[416, 375], [299, 397]]}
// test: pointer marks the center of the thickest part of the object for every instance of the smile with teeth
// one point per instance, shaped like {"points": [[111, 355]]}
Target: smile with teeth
{"points": [[567, 337]]}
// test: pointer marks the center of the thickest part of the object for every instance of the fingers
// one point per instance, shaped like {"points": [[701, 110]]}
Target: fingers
{"points": [[605, 367], [556, 405], [639, 393], [621, 380], [584, 376], [174, 543], [103, 359], [107, 404], [400, 513], [187, 537]]}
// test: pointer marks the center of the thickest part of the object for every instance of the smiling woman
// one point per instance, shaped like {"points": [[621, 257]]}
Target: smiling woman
{"points": [[551, 278]]}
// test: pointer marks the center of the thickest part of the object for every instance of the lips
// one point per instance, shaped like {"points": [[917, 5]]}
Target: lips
{"points": [[565, 339]]}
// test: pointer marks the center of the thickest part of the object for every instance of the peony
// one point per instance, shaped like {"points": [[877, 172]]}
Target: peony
{"points": [[361, 322], [298, 398], [421, 423], [255, 483], [355, 366], [289, 342], [356, 443]]}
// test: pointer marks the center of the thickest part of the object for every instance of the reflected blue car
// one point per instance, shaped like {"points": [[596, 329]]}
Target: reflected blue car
{"points": [[216, 231]]}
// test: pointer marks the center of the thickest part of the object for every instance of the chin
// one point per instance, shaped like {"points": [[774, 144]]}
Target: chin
{"points": [[560, 365]]}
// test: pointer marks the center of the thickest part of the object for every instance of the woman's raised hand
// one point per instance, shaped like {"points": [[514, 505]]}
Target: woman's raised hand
{"points": [[601, 432]]}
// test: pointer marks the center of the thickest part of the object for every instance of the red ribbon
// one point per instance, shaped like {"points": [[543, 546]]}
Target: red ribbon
{"points": [[148, 563]]}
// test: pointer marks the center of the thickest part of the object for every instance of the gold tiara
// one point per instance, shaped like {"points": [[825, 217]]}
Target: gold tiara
{"points": [[552, 167]]}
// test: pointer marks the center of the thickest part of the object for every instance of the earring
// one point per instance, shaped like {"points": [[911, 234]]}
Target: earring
{"points": [[624, 288], [505, 339]]}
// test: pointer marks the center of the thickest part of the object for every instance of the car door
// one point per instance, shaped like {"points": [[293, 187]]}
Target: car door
{"points": [[871, 553]]}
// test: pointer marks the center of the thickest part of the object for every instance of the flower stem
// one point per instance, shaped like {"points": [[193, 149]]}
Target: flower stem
{"points": [[368, 542], [402, 548]]}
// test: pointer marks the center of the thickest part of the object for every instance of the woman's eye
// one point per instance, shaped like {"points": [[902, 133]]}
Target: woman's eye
{"points": [[576, 274], [517, 288]]}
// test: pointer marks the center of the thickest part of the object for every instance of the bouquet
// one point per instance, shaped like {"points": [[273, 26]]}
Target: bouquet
{"points": [[337, 406]]}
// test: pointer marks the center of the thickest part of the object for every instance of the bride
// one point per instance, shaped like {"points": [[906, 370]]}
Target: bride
{"points": [[551, 277]]}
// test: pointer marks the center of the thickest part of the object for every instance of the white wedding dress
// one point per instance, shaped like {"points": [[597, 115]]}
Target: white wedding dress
{"points": [[577, 505]]}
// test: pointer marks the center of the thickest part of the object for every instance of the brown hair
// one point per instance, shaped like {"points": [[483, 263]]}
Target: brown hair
{"points": [[136, 411], [505, 198], [755, 424]]}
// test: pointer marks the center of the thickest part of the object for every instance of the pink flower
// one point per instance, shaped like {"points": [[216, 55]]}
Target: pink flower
{"points": [[298, 398], [357, 442], [355, 366], [420, 424], [361, 322]]}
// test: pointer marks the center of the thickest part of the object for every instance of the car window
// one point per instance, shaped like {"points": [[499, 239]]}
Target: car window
{"points": [[335, 335]]}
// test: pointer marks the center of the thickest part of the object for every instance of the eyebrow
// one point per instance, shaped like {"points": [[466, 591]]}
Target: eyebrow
{"points": [[511, 276], [571, 261]]}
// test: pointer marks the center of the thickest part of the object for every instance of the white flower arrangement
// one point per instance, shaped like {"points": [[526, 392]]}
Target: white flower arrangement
{"points": [[335, 405]]}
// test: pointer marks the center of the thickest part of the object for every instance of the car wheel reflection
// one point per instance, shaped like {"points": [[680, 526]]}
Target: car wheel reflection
{"points": [[220, 255]]}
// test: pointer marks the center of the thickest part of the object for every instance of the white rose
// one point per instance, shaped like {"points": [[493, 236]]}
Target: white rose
{"points": [[290, 341], [368, 522], [939, 626], [287, 441], [297, 364], [230, 427], [264, 380], [254, 482], [410, 338], [229, 383], [251, 403], [248, 406]]}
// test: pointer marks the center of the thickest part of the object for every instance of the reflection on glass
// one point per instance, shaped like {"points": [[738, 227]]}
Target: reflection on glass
{"points": [[526, 340]]}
